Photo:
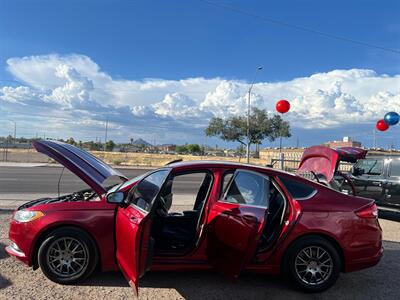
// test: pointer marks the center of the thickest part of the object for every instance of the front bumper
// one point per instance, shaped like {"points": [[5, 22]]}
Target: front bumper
{"points": [[14, 250], [22, 237]]}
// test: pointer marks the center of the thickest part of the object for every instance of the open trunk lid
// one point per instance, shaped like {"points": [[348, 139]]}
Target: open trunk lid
{"points": [[325, 161], [89, 168]]}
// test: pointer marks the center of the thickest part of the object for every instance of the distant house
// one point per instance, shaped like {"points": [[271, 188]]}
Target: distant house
{"points": [[346, 142], [166, 148]]}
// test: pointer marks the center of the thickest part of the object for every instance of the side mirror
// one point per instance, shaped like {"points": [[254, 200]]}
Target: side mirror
{"points": [[115, 198]]}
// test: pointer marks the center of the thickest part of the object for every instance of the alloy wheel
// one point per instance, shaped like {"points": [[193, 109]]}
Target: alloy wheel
{"points": [[313, 265], [67, 257]]}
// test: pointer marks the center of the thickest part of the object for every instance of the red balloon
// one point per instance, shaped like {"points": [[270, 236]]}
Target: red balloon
{"points": [[282, 106], [381, 125]]}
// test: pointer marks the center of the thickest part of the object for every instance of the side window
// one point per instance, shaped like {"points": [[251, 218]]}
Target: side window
{"points": [[395, 168], [187, 191], [145, 192], [297, 189], [371, 167], [226, 179], [248, 188]]}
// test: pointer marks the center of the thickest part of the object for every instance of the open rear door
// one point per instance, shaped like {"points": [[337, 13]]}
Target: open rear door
{"points": [[133, 222], [236, 222]]}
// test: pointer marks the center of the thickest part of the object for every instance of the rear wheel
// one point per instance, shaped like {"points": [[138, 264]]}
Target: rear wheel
{"points": [[312, 264], [68, 255]]}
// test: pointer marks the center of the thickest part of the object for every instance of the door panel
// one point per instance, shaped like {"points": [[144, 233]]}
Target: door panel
{"points": [[129, 226], [234, 229], [233, 233], [133, 227], [392, 187], [370, 182]]}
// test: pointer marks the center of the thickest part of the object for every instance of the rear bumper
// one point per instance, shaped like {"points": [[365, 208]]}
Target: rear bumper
{"points": [[364, 263]]}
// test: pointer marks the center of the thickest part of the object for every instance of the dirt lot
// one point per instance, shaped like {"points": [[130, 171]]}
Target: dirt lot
{"points": [[380, 282], [119, 158]]}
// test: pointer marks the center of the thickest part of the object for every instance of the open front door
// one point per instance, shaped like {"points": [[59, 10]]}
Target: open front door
{"points": [[133, 222], [236, 222]]}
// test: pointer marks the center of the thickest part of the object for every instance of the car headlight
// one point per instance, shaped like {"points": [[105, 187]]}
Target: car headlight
{"points": [[24, 216]]}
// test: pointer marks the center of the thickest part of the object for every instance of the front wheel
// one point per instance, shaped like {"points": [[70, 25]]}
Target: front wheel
{"points": [[312, 264], [67, 255]]}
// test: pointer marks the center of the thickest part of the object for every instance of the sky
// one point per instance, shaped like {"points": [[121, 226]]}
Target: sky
{"points": [[159, 70]]}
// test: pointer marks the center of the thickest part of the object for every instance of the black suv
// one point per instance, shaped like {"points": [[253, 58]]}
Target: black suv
{"points": [[378, 177]]}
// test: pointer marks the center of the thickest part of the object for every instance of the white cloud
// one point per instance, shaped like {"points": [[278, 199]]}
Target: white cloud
{"points": [[74, 89]]}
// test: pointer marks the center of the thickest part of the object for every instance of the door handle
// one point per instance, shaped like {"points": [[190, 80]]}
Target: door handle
{"points": [[133, 220], [378, 183]]}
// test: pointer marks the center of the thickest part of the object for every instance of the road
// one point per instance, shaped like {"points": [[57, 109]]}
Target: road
{"points": [[28, 183]]}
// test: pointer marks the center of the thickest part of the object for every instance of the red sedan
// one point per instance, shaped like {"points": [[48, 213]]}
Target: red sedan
{"points": [[243, 218]]}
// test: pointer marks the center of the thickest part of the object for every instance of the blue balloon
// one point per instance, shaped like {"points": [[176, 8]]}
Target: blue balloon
{"points": [[392, 118]]}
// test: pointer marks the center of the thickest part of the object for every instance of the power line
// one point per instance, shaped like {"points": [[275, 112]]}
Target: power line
{"points": [[300, 28]]}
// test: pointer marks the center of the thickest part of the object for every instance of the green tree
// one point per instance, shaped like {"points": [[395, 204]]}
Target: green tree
{"points": [[110, 145], [71, 141], [193, 148], [261, 127], [181, 149]]}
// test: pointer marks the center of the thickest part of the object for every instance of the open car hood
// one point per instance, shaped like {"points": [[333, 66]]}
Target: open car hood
{"points": [[325, 161], [89, 168]]}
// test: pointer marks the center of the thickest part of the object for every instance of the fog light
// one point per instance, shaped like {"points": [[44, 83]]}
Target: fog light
{"points": [[14, 247]]}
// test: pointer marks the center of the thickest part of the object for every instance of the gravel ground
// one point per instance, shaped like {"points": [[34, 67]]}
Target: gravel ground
{"points": [[379, 282]]}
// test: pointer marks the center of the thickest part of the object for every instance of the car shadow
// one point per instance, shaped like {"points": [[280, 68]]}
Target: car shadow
{"points": [[3, 253], [389, 215], [4, 282], [366, 284]]}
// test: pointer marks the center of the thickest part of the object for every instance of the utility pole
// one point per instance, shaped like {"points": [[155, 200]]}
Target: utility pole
{"points": [[248, 115], [15, 133], [105, 135], [374, 132]]}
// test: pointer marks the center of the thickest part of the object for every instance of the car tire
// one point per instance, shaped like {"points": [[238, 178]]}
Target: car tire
{"points": [[67, 255], [312, 264]]}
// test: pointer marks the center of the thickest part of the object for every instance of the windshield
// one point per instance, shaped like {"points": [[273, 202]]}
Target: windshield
{"points": [[369, 166]]}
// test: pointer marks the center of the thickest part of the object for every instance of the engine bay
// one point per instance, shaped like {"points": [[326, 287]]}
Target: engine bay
{"points": [[83, 195]]}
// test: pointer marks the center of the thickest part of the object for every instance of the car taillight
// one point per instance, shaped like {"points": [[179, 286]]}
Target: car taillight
{"points": [[371, 211]]}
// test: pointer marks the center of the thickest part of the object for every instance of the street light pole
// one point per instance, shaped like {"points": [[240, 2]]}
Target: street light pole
{"points": [[15, 133], [248, 115]]}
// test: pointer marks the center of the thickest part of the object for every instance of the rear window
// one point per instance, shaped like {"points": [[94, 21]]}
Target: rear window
{"points": [[297, 189]]}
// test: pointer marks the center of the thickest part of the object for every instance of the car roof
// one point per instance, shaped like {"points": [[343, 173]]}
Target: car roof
{"points": [[224, 164]]}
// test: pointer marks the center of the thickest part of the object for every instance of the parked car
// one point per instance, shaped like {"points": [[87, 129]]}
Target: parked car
{"points": [[376, 177], [243, 218]]}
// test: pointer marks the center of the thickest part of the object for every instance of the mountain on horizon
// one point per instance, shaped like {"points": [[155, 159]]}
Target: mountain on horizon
{"points": [[140, 142]]}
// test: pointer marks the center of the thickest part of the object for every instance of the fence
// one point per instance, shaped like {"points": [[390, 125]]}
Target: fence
{"points": [[291, 165]]}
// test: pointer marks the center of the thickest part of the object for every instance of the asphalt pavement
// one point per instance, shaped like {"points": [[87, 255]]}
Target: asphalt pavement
{"points": [[21, 182]]}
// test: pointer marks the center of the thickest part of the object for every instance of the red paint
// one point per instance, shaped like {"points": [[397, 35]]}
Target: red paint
{"points": [[282, 106], [381, 125], [230, 231]]}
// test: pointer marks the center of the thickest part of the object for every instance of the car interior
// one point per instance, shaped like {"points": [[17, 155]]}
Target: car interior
{"points": [[175, 233]]}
